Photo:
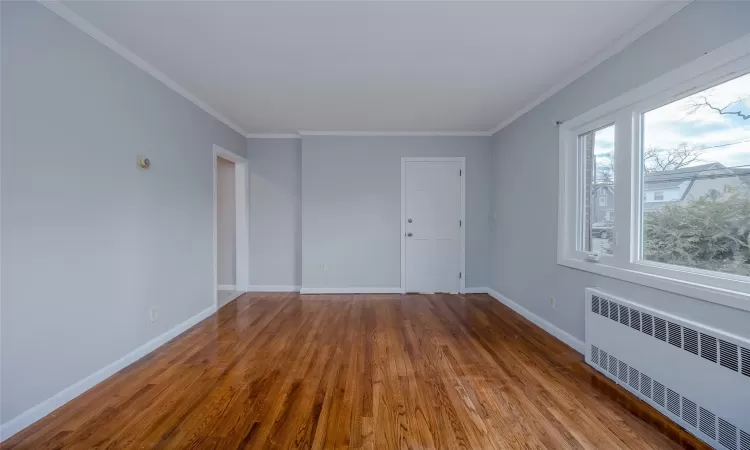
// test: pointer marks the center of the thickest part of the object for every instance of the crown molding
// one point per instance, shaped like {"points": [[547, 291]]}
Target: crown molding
{"points": [[82, 24], [393, 133], [619, 44], [272, 136], [667, 11]]}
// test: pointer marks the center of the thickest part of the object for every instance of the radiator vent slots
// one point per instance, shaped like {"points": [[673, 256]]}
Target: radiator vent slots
{"points": [[728, 355], [659, 393], [647, 324], [708, 423], [635, 378], [673, 402], [695, 374], [675, 335], [614, 311], [635, 319], [624, 315], [646, 385], [727, 434], [698, 417], [690, 412], [623, 372], [708, 347], [661, 329], [595, 354], [691, 340]]}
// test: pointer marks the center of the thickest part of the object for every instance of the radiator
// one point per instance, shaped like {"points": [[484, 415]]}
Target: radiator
{"points": [[695, 375]]}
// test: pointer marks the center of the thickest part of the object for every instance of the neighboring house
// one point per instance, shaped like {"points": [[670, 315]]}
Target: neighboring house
{"points": [[671, 186], [689, 183], [603, 203]]}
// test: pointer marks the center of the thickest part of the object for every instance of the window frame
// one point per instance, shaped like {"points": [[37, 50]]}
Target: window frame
{"points": [[625, 112]]}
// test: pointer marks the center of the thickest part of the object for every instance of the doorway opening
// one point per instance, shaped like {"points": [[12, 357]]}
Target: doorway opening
{"points": [[231, 250]]}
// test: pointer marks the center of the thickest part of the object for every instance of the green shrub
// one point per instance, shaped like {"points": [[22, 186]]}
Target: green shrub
{"points": [[710, 233]]}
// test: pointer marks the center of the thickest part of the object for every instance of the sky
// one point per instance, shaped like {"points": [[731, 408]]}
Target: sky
{"points": [[681, 122]]}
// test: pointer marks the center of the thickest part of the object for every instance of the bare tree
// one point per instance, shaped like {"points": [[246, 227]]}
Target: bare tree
{"points": [[704, 102], [661, 160], [605, 175]]}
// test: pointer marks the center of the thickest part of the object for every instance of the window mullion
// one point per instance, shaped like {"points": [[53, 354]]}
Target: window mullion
{"points": [[623, 187]]}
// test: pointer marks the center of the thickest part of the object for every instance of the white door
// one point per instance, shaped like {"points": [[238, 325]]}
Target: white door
{"points": [[432, 225]]}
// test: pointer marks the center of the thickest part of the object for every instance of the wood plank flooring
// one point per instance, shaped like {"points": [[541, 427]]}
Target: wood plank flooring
{"points": [[351, 371]]}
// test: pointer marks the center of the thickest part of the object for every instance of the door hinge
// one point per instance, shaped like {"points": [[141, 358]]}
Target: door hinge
{"points": [[460, 275], [460, 172], [460, 223]]}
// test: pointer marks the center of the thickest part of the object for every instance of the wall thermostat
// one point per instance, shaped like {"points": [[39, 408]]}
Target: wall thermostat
{"points": [[143, 162]]}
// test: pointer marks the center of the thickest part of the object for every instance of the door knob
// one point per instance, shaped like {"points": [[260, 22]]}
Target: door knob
{"points": [[408, 234], [409, 220]]}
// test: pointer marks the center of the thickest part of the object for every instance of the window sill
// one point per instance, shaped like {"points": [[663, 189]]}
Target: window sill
{"points": [[725, 297]]}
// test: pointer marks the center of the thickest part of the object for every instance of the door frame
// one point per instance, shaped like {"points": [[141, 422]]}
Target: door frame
{"points": [[460, 159], [242, 220]]}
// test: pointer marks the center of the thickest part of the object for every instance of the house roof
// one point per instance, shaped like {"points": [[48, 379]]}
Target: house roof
{"points": [[674, 178], [679, 175], [743, 174]]}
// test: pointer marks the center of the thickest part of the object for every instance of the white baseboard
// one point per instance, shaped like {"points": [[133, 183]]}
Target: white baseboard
{"points": [[40, 410], [226, 287], [259, 288], [229, 299], [476, 290], [573, 342], [352, 290]]}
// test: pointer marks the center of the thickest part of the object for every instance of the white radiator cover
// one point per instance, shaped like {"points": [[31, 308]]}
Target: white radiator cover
{"points": [[695, 375]]}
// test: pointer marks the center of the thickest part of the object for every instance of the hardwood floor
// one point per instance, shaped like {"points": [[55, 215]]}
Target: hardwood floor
{"points": [[351, 371]]}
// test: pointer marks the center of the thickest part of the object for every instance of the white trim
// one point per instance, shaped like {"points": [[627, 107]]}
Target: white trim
{"points": [[654, 20], [476, 290], [462, 160], [229, 299], [725, 297], [618, 45], [567, 338], [242, 211], [273, 136], [352, 290], [2, 433], [717, 66], [260, 288], [226, 287], [82, 24], [40, 410], [715, 59], [393, 133]]}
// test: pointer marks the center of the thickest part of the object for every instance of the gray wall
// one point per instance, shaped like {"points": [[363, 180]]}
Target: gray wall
{"points": [[275, 217], [351, 207], [525, 175], [90, 243], [226, 223]]}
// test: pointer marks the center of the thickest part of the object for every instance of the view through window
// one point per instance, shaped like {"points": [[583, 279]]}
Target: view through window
{"points": [[598, 149], [696, 180]]}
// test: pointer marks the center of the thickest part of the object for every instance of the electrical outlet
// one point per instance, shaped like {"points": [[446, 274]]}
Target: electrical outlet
{"points": [[553, 303], [153, 314]]}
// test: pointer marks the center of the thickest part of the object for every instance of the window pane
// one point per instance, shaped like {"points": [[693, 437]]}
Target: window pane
{"points": [[598, 150], [696, 181]]}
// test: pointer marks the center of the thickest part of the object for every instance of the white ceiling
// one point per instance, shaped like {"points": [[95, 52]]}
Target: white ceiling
{"points": [[280, 67]]}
